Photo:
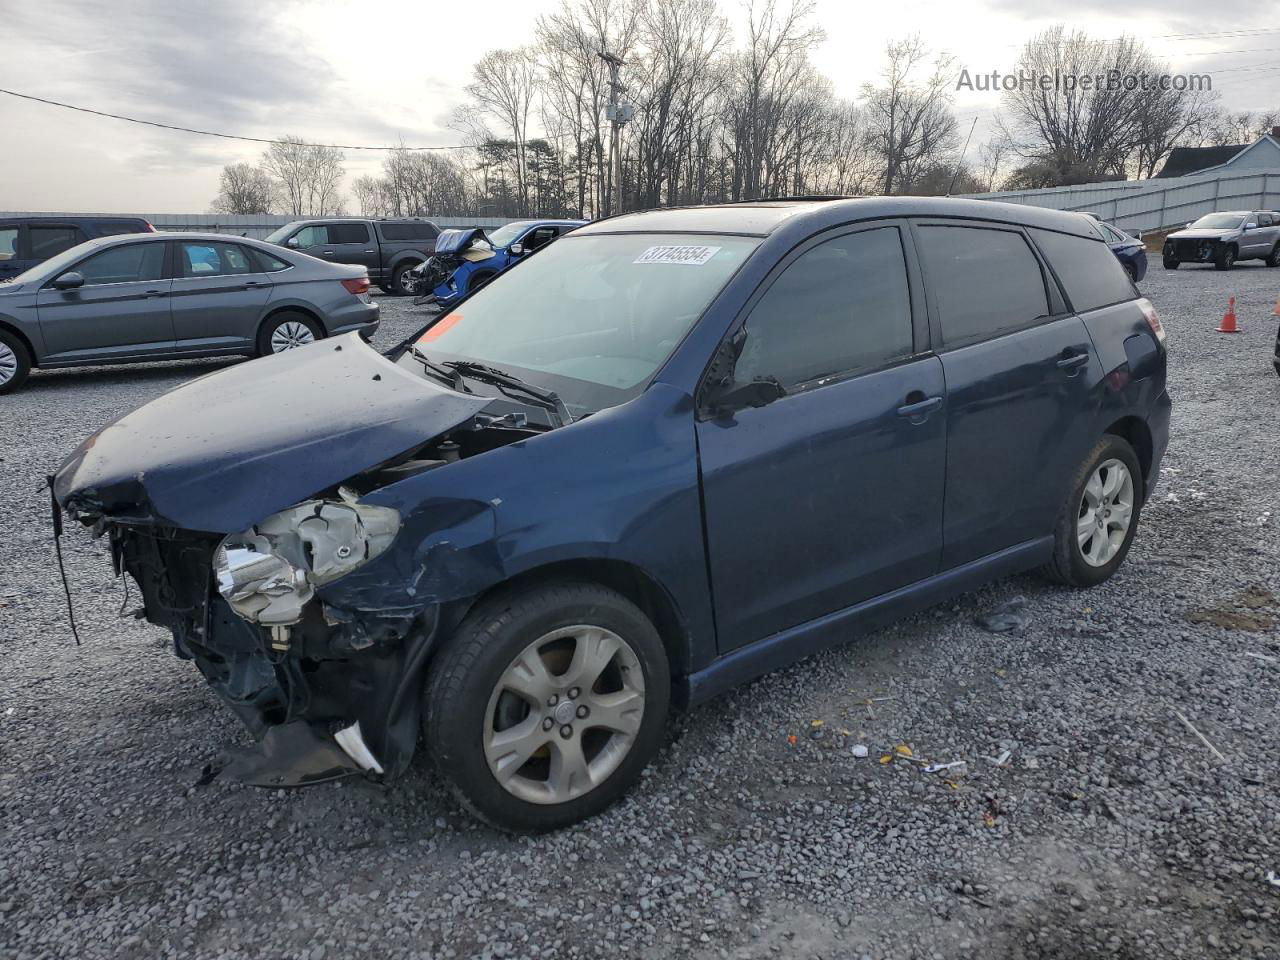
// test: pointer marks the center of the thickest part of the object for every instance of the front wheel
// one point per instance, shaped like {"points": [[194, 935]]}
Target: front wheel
{"points": [[403, 283], [1226, 259], [546, 704], [1171, 263], [1099, 519], [15, 362]]}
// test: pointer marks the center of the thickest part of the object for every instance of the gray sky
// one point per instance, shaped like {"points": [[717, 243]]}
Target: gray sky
{"points": [[380, 72]]}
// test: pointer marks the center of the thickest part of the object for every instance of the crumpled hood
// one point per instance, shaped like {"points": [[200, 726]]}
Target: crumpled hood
{"points": [[229, 449], [455, 241], [1200, 234]]}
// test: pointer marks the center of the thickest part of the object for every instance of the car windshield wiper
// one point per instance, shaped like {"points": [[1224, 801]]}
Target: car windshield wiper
{"points": [[548, 400], [452, 378]]}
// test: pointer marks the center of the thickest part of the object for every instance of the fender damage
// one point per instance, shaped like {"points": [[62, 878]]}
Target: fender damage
{"points": [[235, 503]]}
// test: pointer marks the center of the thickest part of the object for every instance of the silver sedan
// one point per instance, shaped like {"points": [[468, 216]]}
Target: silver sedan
{"points": [[166, 296]]}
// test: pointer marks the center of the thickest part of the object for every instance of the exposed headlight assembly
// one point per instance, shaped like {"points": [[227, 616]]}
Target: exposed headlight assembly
{"points": [[268, 574]]}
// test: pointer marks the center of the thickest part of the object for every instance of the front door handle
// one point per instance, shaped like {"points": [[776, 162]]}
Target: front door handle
{"points": [[921, 407], [154, 293], [1073, 361]]}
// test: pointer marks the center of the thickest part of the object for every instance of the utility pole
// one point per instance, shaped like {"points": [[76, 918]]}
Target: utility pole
{"points": [[618, 114]]}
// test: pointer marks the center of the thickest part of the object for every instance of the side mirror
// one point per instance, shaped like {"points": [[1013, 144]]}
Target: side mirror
{"points": [[69, 281], [757, 393], [516, 249], [1251, 225], [292, 243]]}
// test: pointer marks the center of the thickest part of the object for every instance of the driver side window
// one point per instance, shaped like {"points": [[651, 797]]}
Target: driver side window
{"points": [[316, 235], [840, 307]]}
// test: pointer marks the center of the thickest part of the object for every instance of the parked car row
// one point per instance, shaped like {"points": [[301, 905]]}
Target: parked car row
{"points": [[389, 249], [160, 296], [1226, 238], [671, 452]]}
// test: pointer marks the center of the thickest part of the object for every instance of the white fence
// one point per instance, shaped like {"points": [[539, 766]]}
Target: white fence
{"points": [[253, 225], [1140, 205]]}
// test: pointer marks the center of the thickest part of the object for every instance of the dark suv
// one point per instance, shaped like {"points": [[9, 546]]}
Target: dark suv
{"points": [[716, 441], [28, 241], [388, 249]]}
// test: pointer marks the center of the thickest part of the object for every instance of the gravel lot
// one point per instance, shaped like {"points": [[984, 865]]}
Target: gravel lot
{"points": [[1111, 832]]}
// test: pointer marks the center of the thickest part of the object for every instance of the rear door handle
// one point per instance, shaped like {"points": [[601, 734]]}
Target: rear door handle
{"points": [[1073, 361], [919, 408]]}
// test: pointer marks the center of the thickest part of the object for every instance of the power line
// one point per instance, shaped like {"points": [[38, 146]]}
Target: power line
{"points": [[206, 133]]}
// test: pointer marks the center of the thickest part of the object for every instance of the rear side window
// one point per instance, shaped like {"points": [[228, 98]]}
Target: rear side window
{"points": [[269, 262], [985, 281], [348, 233], [840, 307], [408, 231], [1089, 272], [8, 243], [46, 242], [1265, 220], [129, 263], [202, 259]]}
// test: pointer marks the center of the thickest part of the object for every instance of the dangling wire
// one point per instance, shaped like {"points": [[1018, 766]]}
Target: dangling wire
{"points": [[57, 549]]}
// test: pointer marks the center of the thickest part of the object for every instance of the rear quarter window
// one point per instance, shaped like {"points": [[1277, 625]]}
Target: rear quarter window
{"points": [[985, 281], [1088, 271]]}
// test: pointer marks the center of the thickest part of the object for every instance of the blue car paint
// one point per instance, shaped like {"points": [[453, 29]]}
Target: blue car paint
{"points": [[458, 285], [1130, 251], [689, 507]]}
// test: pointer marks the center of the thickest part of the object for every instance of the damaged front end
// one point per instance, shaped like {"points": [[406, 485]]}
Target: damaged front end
{"points": [[250, 543]]}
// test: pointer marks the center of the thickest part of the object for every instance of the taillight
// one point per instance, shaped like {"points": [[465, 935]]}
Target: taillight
{"points": [[357, 286], [1153, 319], [149, 226]]}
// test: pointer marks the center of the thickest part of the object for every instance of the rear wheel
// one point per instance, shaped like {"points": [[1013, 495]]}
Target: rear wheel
{"points": [[1226, 258], [546, 704], [1099, 519], [15, 362], [286, 330], [1273, 258]]}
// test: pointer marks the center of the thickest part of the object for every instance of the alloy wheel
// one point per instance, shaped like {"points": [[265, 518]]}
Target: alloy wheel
{"points": [[8, 363], [1106, 513], [290, 334], [564, 714]]}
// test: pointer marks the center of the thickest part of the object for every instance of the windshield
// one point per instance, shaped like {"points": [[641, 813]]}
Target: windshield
{"points": [[504, 235], [1219, 221], [277, 235], [591, 317], [54, 265]]}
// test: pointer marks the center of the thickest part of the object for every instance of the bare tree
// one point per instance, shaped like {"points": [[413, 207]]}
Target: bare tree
{"points": [[992, 157], [504, 88], [307, 177], [370, 196], [243, 189], [912, 126]]}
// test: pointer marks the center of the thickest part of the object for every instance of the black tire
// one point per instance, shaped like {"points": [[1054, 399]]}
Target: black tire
{"points": [[1226, 258], [1068, 564], [1273, 258], [278, 320], [465, 674], [1172, 263], [479, 279], [15, 362], [399, 284], [1132, 271], [387, 288]]}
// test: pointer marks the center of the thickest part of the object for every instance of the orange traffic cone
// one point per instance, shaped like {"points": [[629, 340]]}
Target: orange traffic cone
{"points": [[1228, 324]]}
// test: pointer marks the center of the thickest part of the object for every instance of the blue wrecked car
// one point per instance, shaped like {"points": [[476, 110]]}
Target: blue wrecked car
{"points": [[467, 259], [717, 441]]}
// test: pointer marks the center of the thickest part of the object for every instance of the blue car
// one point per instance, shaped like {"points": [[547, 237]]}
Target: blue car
{"points": [[467, 259], [1130, 251], [717, 441]]}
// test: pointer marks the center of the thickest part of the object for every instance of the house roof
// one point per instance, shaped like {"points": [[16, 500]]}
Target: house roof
{"points": [[1186, 160]]}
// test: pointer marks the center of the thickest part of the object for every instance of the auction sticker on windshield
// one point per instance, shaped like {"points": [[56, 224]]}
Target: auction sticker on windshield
{"points": [[691, 256]]}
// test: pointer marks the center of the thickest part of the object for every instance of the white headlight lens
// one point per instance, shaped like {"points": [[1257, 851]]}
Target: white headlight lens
{"points": [[268, 574]]}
